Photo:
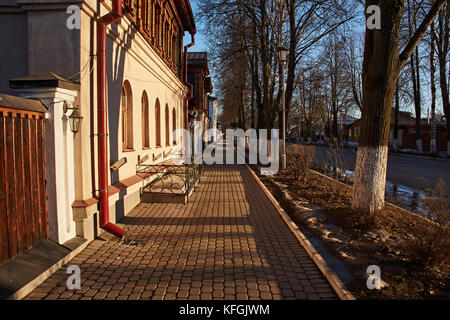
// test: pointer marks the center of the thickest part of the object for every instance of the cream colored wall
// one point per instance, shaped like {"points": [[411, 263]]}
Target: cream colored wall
{"points": [[59, 159], [130, 58], [85, 177]]}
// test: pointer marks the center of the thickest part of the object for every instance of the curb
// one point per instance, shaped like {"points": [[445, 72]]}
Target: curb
{"points": [[320, 262], [398, 154], [31, 286], [388, 205], [406, 155]]}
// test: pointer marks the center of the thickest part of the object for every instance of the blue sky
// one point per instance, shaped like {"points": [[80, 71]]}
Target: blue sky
{"points": [[200, 40], [201, 44]]}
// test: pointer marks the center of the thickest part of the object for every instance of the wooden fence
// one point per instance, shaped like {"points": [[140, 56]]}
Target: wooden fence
{"points": [[23, 207]]}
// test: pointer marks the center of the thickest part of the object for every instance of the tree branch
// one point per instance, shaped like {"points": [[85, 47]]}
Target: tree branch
{"points": [[420, 32]]}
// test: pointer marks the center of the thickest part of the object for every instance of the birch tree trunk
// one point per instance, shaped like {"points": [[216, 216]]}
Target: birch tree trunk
{"points": [[443, 48], [396, 118], [380, 75], [381, 68], [265, 62], [417, 100], [415, 77], [433, 145]]}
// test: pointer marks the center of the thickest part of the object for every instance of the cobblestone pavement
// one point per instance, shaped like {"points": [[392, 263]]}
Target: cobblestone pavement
{"points": [[227, 243]]}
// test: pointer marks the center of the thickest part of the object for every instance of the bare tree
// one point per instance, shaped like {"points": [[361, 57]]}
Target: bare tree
{"points": [[433, 144], [441, 37], [299, 25], [415, 74], [310, 22], [339, 84], [355, 66], [311, 102], [381, 68]]}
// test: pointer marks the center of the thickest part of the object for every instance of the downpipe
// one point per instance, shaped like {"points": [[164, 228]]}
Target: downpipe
{"points": [[102, 115], [189, 96]]}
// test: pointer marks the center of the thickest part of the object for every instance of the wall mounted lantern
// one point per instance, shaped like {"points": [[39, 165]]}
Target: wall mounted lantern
{"points": [[74, 119]]}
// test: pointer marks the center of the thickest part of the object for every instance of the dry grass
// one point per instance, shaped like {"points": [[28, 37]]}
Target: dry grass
{"points": [[430, 242], [299, 160], [403, 245]]}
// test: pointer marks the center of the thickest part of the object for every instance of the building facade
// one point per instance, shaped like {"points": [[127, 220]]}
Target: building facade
{"points": [[51, 53], [199, 78], [407, 138]]}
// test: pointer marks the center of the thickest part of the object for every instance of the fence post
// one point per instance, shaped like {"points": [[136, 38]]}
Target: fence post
{"points": [[60, 156]]}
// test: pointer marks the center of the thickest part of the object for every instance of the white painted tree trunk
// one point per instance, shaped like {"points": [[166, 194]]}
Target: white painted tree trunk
{"points": [[370, 179], [309, 140], [419, 146], [433, 146]]}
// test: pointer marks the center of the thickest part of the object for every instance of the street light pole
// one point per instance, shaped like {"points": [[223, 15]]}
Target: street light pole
{"points": [[283, 59], [283, 105]]}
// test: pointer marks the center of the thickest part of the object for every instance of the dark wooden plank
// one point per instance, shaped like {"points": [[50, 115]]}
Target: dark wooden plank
{"points": [[34, 182], [18, 166], [42, 187], [44, 172], [4, 241], [11, 181], [27, 192]]}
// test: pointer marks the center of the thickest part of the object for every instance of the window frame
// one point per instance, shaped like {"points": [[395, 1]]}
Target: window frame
{"points": [[124, 117], [127, 117], [174, 126], [158, 142], [145, 121], [167, 125]]}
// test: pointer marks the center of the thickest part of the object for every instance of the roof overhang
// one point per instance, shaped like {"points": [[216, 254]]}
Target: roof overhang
{"points": [[43, 80], [13, 102], [187, 16]]}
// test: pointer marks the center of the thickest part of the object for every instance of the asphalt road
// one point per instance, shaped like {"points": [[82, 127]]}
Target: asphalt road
{"points": [[409, 171]]}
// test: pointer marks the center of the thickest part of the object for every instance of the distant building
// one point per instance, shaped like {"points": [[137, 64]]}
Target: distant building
{"points": [[344, 121], [317, 131], [199, 78], [407, 133]]}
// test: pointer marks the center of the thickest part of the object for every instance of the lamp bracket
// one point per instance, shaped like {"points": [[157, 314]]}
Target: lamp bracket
{"points": [[66, 107]]}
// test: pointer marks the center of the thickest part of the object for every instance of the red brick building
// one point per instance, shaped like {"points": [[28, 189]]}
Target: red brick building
{"points": [[199, 78], [407, 133]]}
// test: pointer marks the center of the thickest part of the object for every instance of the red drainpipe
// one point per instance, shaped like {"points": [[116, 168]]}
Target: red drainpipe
{"points": [[102, 115], [190, 95]]}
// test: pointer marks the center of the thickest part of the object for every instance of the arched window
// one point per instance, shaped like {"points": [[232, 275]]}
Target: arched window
{"points": [[167, 126], [124, 117], [145, 121], [127, 117], [174, 126], [158, 123]]}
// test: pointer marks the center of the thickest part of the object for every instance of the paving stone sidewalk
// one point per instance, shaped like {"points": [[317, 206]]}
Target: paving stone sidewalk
{"points": [[227, 243]]}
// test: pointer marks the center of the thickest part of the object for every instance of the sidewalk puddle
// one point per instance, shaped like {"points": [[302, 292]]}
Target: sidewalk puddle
{"points": [[406, 197]]}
